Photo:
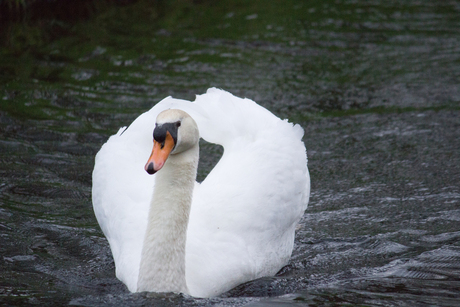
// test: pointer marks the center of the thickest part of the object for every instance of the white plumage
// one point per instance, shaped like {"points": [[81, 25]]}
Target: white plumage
{"points": [[243, 215]]}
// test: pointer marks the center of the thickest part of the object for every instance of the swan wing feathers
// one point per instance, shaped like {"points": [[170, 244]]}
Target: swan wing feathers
{"points": [[122, 191], [243, 215], [252, 200]]}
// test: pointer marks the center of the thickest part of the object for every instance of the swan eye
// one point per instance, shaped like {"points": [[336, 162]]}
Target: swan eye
{"points": [[178, 124], [160, 132]]}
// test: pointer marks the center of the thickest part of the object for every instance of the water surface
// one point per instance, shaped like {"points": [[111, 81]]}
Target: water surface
{"points": [[375, 84]]}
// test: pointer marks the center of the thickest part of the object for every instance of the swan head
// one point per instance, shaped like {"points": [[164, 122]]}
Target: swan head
{"points": [[175, 132]]}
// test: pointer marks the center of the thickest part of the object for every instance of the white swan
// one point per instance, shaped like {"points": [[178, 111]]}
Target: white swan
{"points": [[241, 218]]}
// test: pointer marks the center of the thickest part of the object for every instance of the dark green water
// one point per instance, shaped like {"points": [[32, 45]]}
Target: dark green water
{"points": [[375, 84]]}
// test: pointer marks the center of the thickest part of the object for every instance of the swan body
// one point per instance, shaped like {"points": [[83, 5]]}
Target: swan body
{"points": [[168, 233]]}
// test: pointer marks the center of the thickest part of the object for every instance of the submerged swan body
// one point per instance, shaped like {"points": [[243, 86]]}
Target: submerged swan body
{"points": [[168, 233]]}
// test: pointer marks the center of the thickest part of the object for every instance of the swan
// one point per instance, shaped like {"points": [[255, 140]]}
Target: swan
{"points": [[168, 233]]}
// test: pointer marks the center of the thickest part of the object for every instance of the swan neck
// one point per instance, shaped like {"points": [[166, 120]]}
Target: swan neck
{"points": [[162, 267]]}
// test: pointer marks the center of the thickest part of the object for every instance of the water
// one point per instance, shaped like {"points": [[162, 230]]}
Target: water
{"points": [[374, 84]]}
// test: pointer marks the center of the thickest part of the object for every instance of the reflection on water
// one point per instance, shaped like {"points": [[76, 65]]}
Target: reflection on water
{"points": [[374, 84]]}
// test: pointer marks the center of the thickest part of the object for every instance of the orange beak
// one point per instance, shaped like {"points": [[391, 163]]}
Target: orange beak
{"points": [[160, 154]]}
